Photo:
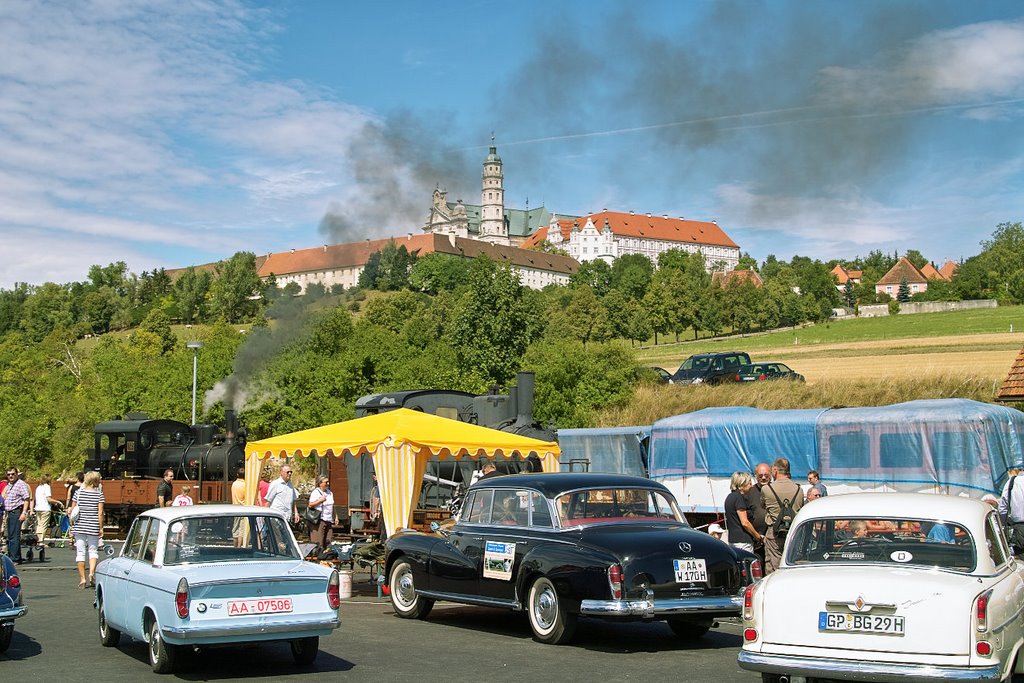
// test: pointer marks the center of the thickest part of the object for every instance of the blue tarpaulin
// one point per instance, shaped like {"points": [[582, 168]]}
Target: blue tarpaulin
{"points": [[955, 446], [621, 450]]}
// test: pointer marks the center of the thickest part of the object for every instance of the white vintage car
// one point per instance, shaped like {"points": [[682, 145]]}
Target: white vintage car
{"points": [[889, 587]]}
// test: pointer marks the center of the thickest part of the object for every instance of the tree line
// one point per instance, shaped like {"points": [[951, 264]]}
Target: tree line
{"points": [[430, 321]]}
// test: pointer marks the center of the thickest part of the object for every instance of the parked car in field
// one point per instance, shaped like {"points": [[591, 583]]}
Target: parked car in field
{"points": [[12, 605], [657, 374], [560, 546], [767, 370], [889, 587], [182, 581], [710, 368]]}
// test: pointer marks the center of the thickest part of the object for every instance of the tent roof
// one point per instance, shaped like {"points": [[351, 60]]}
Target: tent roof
{"points": [[442, 436]]}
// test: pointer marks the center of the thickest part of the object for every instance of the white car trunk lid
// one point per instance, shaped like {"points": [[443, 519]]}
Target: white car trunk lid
{"points": [[914, 601]]}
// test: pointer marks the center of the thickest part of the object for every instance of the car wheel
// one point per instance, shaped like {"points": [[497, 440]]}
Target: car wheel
{"points": [[109, 637], [161, 655], [550, 620], [6, 633], [304, 650], [690, 629], [770, 678], [404, 599]]}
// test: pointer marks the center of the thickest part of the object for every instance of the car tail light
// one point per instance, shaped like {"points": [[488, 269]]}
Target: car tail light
{"points": [[749, 634], [756, 572], [738, 378], [983, 648], [181, 599], [334, 591], [748, 601], [12, 582], [615, 581], [981, 611], [762, 376]]}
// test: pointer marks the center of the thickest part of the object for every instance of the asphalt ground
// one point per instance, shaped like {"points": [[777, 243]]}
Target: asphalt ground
{"points": [[58, 640]]}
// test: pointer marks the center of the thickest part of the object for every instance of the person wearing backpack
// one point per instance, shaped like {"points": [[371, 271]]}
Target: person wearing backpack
{"points": [[782, 499]]}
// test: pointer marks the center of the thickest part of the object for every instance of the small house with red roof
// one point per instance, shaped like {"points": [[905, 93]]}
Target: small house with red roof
{"points": [[843, 276], [903, 270]]}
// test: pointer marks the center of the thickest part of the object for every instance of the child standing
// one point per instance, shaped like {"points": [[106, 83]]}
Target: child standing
{"points": [[183, 498]]}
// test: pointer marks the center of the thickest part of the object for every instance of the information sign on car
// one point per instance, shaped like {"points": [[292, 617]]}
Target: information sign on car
{"points": [[862, 623], [690, 571]]}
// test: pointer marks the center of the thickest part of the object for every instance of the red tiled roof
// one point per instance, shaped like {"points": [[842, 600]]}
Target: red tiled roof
{"points": [[903, 269], [355, 254], [1012, 388], [929, 272], [948, 269], [737, 276], [646, 226], [334, 256]]}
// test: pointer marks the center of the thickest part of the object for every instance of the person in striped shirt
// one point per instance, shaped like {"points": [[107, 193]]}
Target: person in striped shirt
{"points": [[88, 527]]}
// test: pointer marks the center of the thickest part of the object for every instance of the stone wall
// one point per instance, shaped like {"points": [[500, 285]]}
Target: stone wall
{"points": [[878, 310]]}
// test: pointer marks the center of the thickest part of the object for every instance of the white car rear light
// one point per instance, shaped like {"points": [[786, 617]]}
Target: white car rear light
{"points": [[981, 611], [181, 599], [748, 602]]}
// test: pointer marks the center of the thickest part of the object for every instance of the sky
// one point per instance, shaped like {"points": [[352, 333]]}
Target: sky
{"points": [[168, 133]]}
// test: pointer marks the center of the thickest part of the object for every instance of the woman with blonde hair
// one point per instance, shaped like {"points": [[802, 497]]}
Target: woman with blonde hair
{"points": [[739, 513], [88, 527]]}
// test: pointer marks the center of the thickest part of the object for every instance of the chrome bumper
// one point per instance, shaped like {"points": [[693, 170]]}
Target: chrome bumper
{"points": [[649, 609], [298, 628], [812, 667], [13, 612]]}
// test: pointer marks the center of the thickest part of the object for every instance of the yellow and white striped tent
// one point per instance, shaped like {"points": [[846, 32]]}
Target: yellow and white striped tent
{"points": [[401, 442]]}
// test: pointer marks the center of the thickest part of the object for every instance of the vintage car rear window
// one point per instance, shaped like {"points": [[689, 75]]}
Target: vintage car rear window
{"points": [[609, 505], [227, 538], [909, 542]]}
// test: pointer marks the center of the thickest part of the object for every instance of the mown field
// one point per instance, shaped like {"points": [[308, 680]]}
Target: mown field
{"points": [[963, 343], [876, 361]]}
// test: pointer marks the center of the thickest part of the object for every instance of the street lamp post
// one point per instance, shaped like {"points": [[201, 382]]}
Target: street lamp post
{"points": [[195, 346]]}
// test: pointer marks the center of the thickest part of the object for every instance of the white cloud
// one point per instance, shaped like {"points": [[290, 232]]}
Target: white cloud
{"points": [[974, 63], [149, 122]]}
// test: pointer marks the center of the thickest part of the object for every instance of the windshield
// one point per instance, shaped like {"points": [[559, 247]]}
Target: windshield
{"points": [[224, 538], [615, 505], [908, 542], [696, 363]]}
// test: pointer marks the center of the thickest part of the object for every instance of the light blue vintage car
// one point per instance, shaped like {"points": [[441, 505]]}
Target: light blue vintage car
{"points": [[207, 575]]}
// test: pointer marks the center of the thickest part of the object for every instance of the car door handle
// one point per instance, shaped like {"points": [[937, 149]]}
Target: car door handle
{"points": [[126, 571]]}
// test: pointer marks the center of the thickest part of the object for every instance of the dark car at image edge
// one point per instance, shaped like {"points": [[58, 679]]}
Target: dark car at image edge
{"points": [[766, 371]]}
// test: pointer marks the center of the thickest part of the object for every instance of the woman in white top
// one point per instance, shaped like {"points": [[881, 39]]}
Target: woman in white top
{"points": [[322, 499]]}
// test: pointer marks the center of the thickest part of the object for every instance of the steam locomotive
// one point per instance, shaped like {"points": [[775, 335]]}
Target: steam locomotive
{"points": [[132, 454]]}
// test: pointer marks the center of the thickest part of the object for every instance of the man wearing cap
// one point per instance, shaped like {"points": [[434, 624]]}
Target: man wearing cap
{"points": [[716, 530]]}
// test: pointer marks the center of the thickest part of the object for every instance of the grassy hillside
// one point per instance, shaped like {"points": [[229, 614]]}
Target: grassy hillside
{"points": [[651, 403]]}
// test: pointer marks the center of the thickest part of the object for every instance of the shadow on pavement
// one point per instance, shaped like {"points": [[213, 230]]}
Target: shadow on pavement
{"points": [[22, 647], [241, 661]]}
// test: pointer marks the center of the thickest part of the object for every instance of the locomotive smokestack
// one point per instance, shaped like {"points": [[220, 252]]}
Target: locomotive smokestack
{"points": [[230, 425], [524, 405]]}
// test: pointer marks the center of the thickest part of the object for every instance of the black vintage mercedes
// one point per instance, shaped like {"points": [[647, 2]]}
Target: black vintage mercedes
{"points": [[559, 546]]}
